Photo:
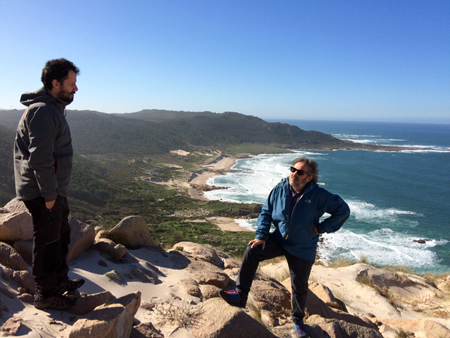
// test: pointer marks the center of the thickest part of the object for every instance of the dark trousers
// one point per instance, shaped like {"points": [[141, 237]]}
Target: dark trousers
{"points": [[299, 270], [51, 238]]}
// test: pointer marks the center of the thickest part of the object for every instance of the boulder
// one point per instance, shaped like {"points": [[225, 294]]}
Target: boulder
{"points": [[209, 291], [11, 326], [207, 273], [16, 206], [433, 329], [100, 233], [429, 328], [191, 287], [114, 320], [116, 251], [81, 238], [145, 330], [203, 251], [26, 297], [317, 326], [383, 278], [25, 250], [87, 303], [220, 320], [132, 232], [10, 257], [315, 306], [16, 226], [270, 292], [268, 316], [325, 294], [22, 278]]}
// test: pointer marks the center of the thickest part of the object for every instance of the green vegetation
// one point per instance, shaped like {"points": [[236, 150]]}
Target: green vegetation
{"points": [[171, 214], [401, 334]]}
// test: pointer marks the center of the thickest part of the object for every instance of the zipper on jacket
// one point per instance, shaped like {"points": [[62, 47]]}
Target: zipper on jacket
{"points": [[290, 216]]}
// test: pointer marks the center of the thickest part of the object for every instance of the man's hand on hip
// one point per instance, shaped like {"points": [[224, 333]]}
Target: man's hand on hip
{"points": [[255, 242]]}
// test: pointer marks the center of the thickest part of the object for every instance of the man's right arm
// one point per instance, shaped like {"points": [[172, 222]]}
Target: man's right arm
{"points": [[42, 134]]}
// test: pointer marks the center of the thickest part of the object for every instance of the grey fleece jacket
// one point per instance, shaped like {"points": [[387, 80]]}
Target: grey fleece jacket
{"points": [[42, 148]]}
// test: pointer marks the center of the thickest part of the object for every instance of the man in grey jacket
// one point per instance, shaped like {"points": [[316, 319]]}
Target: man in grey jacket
{"points": [[42, 169]]}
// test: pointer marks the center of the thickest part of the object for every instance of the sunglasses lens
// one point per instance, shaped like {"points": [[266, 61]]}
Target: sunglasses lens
{"points": [[299, 171]]}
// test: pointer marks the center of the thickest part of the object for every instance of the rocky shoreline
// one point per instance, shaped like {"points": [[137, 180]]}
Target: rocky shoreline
{"points": [[135, 288]]}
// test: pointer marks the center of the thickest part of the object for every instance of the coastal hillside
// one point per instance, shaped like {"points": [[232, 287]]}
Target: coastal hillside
{"points": [[153, 132], [104, 142]]}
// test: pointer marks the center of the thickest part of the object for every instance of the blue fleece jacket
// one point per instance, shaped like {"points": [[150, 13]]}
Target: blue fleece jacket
{"points": [[296, 233]]}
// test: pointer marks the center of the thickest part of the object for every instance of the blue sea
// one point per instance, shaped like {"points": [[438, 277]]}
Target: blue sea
{"points": [[395, 197]]}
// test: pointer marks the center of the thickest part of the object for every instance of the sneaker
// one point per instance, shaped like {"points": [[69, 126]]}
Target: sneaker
{"points": [[233, 298], [69, 285], [58, 302], [300, 330]]}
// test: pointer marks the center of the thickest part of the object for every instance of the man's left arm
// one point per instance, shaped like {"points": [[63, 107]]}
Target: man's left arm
{"points": [[339, 211]]}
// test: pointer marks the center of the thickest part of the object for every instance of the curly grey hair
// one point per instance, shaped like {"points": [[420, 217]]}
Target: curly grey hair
{"points": [[312, 166]]}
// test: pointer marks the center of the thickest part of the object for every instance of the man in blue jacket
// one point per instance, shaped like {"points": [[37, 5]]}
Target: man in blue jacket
{"points": [[294, 207], [42, 168]]}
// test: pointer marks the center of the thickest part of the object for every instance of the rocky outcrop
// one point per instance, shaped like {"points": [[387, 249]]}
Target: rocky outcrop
{"points": [[87, 303], [15, 222], [145, 330], [81, 238], [113, 320], [10, 257], [205, 252], [326, 296], [200, 270], [219, 320], [11, 326], [13, 267], [132, 232], [116, 251], [333, 328]]}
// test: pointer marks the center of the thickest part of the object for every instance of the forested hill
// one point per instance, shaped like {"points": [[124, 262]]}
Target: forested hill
{"points": [[156, 131], [6, 164]]}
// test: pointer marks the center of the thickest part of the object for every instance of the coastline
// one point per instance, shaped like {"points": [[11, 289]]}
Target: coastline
{"points": [[198, 187]]}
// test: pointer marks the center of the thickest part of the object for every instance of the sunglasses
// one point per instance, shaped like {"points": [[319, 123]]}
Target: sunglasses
{"points": [[300, 172]]}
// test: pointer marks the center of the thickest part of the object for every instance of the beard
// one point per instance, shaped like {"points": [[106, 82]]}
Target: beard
{"points": [[66, 96]]}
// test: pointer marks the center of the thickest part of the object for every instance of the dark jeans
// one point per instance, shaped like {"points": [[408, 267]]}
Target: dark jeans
{"points": [[299, 270], [51, 240]]}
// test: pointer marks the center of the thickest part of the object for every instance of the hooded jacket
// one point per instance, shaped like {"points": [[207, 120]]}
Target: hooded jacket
{"points": [[42, 148], [296, 232]]}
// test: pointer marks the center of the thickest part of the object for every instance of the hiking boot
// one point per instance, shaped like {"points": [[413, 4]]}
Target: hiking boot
{"points": [[233, 298], [69, 285], [58, 302], [300, 330]]}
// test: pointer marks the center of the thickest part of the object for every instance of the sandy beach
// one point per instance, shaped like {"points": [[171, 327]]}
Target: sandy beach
{"points": [[197, 186]]}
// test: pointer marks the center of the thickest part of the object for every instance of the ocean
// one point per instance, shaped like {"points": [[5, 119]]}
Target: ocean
{"points": [[396, 198]]}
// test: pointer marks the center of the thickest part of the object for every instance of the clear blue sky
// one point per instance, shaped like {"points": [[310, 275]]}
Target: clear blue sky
{"points": [[361, 60]]}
